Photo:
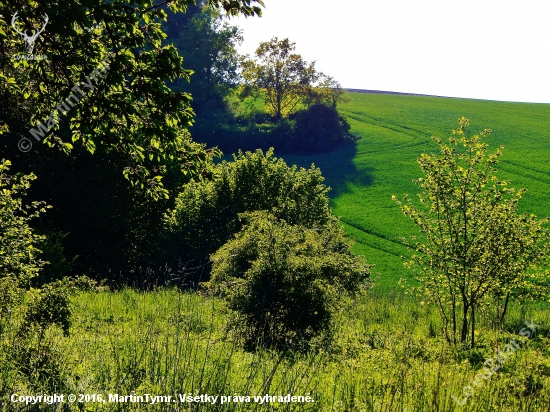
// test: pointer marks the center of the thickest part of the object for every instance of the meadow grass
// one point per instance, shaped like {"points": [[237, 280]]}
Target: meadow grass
{"points": [[395, 130], [388, 355]]}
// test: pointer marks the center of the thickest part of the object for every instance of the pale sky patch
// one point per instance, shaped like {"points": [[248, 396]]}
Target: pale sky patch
{"points": [[482, 49]]}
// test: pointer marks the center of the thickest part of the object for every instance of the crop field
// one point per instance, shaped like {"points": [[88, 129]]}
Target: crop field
{"points": [[395, 130]]}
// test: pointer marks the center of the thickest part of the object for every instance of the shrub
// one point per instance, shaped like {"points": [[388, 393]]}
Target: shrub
{"points": [[205, 215], [285, 281], [317, 129], [320, 129], [19, 251]]}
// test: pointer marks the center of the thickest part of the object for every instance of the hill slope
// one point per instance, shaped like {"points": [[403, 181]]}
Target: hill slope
{"points": [[395, 130]]}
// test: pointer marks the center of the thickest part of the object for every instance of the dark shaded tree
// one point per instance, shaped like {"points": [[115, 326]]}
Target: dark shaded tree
{"points": [[209, 44]]}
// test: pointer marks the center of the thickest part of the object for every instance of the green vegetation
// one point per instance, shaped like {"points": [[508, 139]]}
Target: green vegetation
{"points": [[281, 77], [386, 357], [475, 244], [286, 282], [19, 253], [299, 104], [111, 57], [206, 213], [208, 43], [387, 351], [316, 129], [286, 308], [107, 97], [394, 131], [27, 315]]}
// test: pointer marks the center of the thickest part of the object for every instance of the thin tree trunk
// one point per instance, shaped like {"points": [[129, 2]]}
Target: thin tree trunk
{"points": [[473, 325], [454, 319], [504, 309], [464, 331]]}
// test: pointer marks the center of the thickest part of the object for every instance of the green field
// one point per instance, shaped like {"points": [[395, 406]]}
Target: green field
{"points": [[395, 130]]}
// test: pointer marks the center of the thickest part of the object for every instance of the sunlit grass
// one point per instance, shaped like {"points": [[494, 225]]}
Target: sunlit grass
{"points": [[395, 130], [388, 355]]}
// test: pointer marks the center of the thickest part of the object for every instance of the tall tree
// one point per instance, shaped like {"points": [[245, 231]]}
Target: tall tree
{"points": [[283, 76], [209, 44], [103, 81]]}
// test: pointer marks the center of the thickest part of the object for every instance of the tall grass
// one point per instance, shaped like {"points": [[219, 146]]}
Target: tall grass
{"points": [[387, 356]]}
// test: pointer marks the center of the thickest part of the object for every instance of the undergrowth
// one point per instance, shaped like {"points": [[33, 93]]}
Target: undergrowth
{"points": [[388, 355]]}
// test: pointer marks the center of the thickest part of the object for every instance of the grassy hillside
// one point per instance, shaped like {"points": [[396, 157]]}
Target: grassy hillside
{"points": [[387, 356], [388, 352], [395, 130]]}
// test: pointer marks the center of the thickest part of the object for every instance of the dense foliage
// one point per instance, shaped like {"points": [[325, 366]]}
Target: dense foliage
{"points": [[100, 225], [385, 356], [28, 317], [103, 83], [284, 282], [281, 76], [19, 253], [476, 243], [209, 46], [317, 129], [205, 215]]}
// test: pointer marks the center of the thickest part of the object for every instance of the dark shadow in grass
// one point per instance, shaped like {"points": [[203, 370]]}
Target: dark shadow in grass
{"points": [[337, 167], [318, 135]]}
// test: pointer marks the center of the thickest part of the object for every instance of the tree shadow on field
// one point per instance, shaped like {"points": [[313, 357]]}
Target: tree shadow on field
{"points": [[337, 168]]}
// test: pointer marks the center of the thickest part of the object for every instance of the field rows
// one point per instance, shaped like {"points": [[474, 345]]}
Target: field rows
{"points": [[395, 130]]}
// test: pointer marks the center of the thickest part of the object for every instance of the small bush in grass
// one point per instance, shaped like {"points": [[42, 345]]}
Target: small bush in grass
{"points": [[285, 281]]}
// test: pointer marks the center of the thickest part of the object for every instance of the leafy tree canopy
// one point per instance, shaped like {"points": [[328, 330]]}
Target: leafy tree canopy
{"points": [[205, 214], [209, 44], [327, 91], [283, 76], [103, 81]]}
